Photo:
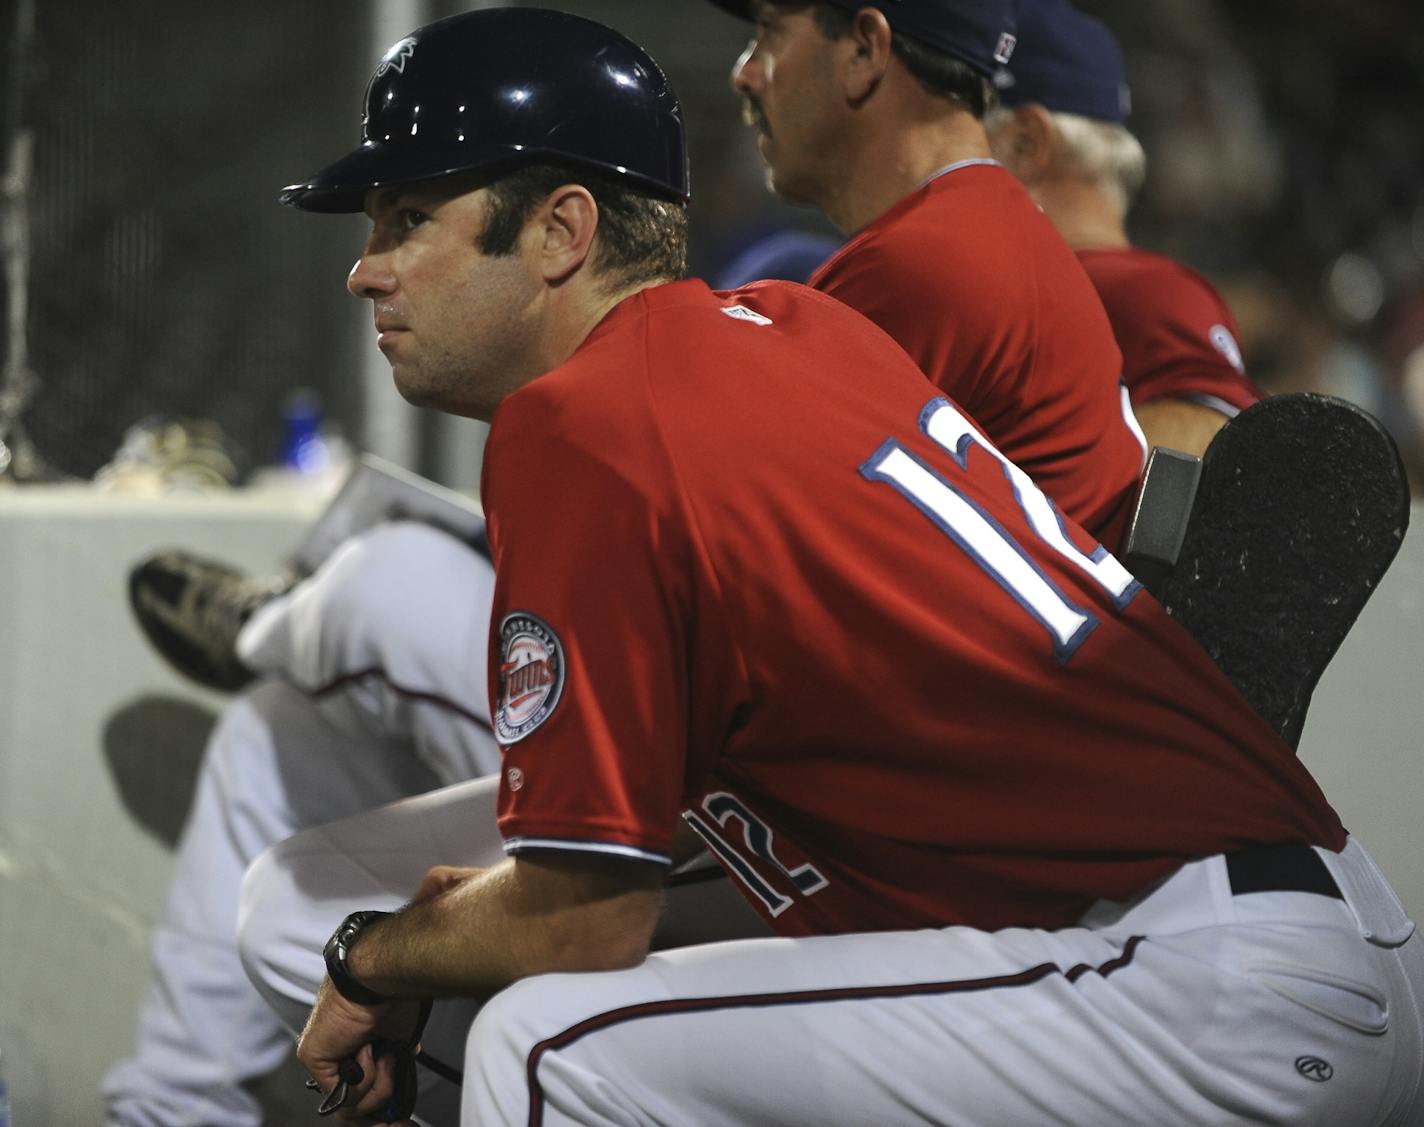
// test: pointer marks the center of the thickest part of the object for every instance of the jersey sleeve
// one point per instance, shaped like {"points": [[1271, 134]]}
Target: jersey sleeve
{"points": [[1179, 340], [874, 278], [587, 668]]}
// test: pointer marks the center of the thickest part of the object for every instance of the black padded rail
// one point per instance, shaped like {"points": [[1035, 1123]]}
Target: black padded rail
{"points": [[1160, 514], [1300, 509]]}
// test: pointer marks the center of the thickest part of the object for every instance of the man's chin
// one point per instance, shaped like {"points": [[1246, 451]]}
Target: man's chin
{"points": [[788, 188], [414, 392]]}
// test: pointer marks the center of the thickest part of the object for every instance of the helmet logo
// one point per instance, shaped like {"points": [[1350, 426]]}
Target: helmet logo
{"points": [[396, 57]]}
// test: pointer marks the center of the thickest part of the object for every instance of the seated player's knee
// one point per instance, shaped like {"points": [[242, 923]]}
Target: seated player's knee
{"points": [[391, 557], [368, 585]]}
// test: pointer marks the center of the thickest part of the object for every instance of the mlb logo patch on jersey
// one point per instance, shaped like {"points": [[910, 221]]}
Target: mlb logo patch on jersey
{"points": [[742, 313], [531, 675]]}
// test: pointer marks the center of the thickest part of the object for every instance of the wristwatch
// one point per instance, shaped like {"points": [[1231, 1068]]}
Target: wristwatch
{"points": [[338, 950]]}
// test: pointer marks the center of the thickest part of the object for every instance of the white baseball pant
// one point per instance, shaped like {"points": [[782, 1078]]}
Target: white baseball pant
{"points": [[374, 689], [1189, 1006]]}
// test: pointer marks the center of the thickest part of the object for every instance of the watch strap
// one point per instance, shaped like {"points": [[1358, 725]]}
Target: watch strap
{"points": [[338, 951]]}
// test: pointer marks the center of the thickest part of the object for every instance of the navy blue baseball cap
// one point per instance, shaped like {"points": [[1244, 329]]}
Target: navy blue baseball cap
{"points": [[1067, 62], [977, 32]]}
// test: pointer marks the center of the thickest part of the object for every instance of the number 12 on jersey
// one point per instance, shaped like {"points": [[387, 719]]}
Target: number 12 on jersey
{"points": [[986, 541]]}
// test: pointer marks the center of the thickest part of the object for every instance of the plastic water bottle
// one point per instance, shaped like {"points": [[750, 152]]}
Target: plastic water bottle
{"points": [[314, 458], [304, 448]]}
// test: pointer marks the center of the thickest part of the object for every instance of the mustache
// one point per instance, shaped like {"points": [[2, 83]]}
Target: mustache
{"points": [[754, 116]]}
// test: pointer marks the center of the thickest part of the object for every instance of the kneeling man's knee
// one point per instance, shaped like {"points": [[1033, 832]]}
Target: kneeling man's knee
{"points": [[498, 1050]]}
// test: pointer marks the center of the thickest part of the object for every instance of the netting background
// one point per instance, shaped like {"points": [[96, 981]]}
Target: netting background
{"points": [[165, 280], [1286, 161]]}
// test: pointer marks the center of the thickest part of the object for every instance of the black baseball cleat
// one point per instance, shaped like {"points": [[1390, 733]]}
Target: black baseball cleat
{"points": [[192, 609]]}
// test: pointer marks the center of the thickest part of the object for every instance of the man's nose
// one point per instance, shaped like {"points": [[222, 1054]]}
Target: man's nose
{"points": [[370, 277], [746, 71]]}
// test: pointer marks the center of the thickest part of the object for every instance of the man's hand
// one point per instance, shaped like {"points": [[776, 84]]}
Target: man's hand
{"points": [[339, 1029]]}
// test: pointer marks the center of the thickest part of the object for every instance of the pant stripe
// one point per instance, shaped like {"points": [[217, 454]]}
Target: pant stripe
{"points": [[600, 1022], [380, 674]]}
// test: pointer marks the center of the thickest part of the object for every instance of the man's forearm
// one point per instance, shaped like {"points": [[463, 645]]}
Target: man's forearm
{"points": [[560, 913], [1179, 424]]}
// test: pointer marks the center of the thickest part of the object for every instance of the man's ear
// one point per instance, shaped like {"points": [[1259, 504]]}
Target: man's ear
{"points": [[562, 232], [864, 54], [1035, 142]]}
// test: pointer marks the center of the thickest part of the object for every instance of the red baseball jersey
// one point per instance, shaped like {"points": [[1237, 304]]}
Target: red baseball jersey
{"points": [[1177, 336], [753, 568], [978, 286]]}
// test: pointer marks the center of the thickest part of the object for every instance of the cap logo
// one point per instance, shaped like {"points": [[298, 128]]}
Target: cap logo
{"points": [[1005, 50], [396, 58], [531, 675]]}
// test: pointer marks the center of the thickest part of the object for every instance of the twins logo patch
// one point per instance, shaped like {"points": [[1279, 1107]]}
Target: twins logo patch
{"points": [[396, 58], [531, 675]]}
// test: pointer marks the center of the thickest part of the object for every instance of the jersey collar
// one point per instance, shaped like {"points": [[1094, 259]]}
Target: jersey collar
{"points": [[935, 175]]}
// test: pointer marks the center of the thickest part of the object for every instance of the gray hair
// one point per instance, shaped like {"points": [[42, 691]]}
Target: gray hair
{"points": [[1103, 153]]}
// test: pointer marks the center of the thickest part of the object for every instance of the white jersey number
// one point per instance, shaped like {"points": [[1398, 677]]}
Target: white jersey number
{"points": [[986, 541]]}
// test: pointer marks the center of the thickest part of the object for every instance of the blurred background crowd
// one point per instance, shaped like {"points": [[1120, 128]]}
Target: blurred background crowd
{"points": [[155, 293]]}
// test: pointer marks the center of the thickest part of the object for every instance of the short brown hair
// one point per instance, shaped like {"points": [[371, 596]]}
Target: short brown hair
{"points": [[642, 236]]}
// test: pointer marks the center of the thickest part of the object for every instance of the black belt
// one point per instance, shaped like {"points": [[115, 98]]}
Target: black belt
{"points": [[1280, 868]]}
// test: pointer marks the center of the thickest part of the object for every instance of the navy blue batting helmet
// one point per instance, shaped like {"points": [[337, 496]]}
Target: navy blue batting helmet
{"points": [[497, 88]]}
